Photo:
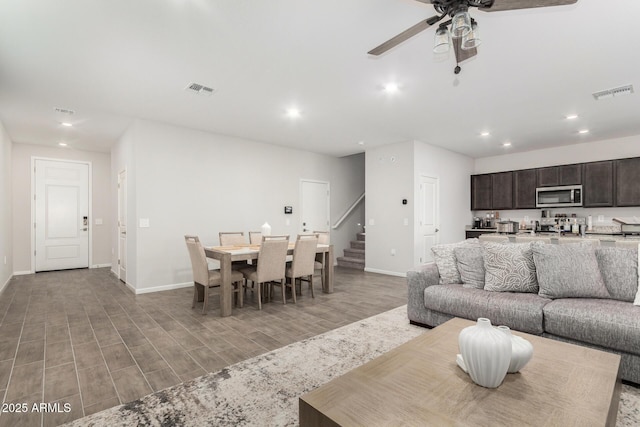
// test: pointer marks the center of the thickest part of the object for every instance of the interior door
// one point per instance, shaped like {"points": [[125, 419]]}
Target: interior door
{"points": [[122, 226], [428, 217], [314, 211], [61, 215]]}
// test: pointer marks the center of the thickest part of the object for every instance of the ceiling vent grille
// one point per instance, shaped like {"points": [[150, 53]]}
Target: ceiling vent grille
{"points": [[64, 111], [199, 89], [612, 93]]}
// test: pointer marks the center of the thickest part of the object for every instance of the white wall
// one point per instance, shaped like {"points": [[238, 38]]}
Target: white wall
{"points": [[392, 174], [6, 203], [100, 204], [588, 152], [191, 182]]}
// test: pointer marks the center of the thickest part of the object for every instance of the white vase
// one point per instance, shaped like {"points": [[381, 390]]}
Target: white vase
{"points": [[486, 352], [521, 350], [266, 229]]}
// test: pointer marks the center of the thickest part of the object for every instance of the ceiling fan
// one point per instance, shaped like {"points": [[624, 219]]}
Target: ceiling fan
{"points": [[463, 27]]}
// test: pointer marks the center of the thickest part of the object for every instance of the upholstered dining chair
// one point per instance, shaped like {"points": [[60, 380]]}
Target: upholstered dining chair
{"points": [[203, 278], [255, 237], [323, 239], [302, 267], [232, 238], [271, 264]]}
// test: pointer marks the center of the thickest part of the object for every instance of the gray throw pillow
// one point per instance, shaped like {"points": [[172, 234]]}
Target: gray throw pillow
{"points": [[509, 267], [470, 265], [445, 260], [619, 270], [568, 271]]}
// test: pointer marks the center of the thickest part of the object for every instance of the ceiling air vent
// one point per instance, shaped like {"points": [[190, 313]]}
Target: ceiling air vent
{"points": [[611, 93], [199, 89], [64, 111]]}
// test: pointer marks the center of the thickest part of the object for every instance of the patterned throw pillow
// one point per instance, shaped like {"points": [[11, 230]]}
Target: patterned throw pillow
{"points": [[509, 267], [445, 260], [470, 265], [568, 271]]}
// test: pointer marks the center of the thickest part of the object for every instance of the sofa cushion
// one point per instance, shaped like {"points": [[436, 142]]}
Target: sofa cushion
{"points": [[619, 270], [509, 268], [470, 264], [445, 259], [519, 311], [568, 271], [607, 323]]}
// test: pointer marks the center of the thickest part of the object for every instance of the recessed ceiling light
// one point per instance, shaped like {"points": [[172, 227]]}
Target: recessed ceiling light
{"points": [[506, 144], [583, 131], [571, 117], [62, 144], [485, 133], [67, 124], [293, 113], [361, 143], [391, 87]]}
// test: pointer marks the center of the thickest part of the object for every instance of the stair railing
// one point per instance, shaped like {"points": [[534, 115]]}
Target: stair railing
{"points": [[348, 212]]}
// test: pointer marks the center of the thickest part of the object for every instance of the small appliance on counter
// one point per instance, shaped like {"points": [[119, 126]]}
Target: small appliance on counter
{"points": [[629, 226], [509, 227]]}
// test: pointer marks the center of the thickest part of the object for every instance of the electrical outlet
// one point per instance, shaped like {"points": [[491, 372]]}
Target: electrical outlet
{"points": [[600, 218], [372, 221], [526, 218]]}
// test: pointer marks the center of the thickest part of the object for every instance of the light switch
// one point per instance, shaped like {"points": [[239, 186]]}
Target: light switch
{"points": [[98, 221], [144, 222], [406, 221], [287, 221]]}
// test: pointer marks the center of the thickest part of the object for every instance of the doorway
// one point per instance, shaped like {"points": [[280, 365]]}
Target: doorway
{"points": [[428, 217], [61, 195], [314, 210]]}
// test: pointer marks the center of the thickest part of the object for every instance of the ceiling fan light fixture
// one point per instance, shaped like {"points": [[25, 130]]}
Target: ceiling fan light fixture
{"points": [[472, 38], [442, 40], [460, 24]]}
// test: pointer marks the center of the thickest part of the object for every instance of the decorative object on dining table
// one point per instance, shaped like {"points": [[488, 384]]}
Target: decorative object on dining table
{"points": [[521, 351], [486, 353], [266, 229]]}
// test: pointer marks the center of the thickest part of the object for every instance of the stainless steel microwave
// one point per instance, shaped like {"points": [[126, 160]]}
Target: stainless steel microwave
{"points": [[555, 197]]}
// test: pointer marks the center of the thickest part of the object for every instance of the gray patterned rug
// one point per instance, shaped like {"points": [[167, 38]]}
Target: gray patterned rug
{"points": [[264, 390]]}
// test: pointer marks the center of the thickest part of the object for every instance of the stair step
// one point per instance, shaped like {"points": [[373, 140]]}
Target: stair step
{"points": [[361, 236], [357, 244], [355, 263], [354, 253]]}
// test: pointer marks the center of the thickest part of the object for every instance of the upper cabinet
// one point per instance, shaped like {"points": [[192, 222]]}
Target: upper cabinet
{"points": [[524, 189], [502, 190], [597, 184], [481, 192], [627, 180], [560, 175]]}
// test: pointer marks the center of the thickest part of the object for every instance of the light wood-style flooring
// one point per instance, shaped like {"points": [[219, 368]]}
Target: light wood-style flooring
{"points": [[82, 338]]}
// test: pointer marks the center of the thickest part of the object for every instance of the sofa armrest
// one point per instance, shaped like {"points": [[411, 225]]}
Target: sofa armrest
{"points": [[418, 279]]}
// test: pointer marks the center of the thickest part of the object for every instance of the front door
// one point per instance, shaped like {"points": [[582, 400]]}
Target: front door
{"points": [[61, 215], [314, 211], [428, 217]]}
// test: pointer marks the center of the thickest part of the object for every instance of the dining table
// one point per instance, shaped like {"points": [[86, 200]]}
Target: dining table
{"points": [[226, 255]]}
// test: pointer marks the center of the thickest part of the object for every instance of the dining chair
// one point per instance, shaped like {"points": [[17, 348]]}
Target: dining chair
{"points": [[323, 239], [232, 238], [302, 267], [204, 278], [255, 237], [271, 264]]}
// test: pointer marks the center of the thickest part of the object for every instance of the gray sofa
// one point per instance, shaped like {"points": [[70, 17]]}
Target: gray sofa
{"points": [[557, 307]]}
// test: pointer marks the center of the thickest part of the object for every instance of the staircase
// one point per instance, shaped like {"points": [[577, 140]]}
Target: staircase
{"points": [[354, 256]]}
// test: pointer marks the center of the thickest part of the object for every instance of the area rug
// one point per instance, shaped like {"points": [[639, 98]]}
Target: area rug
{"points": [[264, 390]]}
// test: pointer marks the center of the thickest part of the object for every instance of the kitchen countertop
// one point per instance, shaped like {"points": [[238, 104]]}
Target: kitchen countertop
{"points": [[600, 235]]}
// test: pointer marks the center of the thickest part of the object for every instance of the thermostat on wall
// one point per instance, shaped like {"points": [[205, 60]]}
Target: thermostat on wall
{"points": [[288, 209]]}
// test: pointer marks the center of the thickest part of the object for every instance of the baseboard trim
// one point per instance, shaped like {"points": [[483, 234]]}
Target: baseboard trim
{"points": [[22, 273], [5, 284], [388, 273], [161, 288], [100, 265]]}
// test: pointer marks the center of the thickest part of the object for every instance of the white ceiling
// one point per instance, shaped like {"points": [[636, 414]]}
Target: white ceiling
{"points": [[116, 60]]}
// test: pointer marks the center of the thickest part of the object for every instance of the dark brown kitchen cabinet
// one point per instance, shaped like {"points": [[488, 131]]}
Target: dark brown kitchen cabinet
{"points": [[560, 175], [524, 189], [598, 184], [502, 190], [481, 192], [627, 173]]}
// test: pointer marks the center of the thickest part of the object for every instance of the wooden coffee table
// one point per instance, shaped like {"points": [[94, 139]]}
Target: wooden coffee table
{"points": [[419, 383]]}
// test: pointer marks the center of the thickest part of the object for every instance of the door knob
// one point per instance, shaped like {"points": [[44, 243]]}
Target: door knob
{"points": [[437, 229]]}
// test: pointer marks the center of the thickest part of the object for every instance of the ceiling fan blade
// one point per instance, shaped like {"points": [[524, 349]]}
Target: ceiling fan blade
{"points": [[405, 35], [462, 54], [500, 5]]}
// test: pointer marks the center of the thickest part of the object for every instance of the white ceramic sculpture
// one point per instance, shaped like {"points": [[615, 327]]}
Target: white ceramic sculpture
{"points": [[486, 352], [521, 350]]}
